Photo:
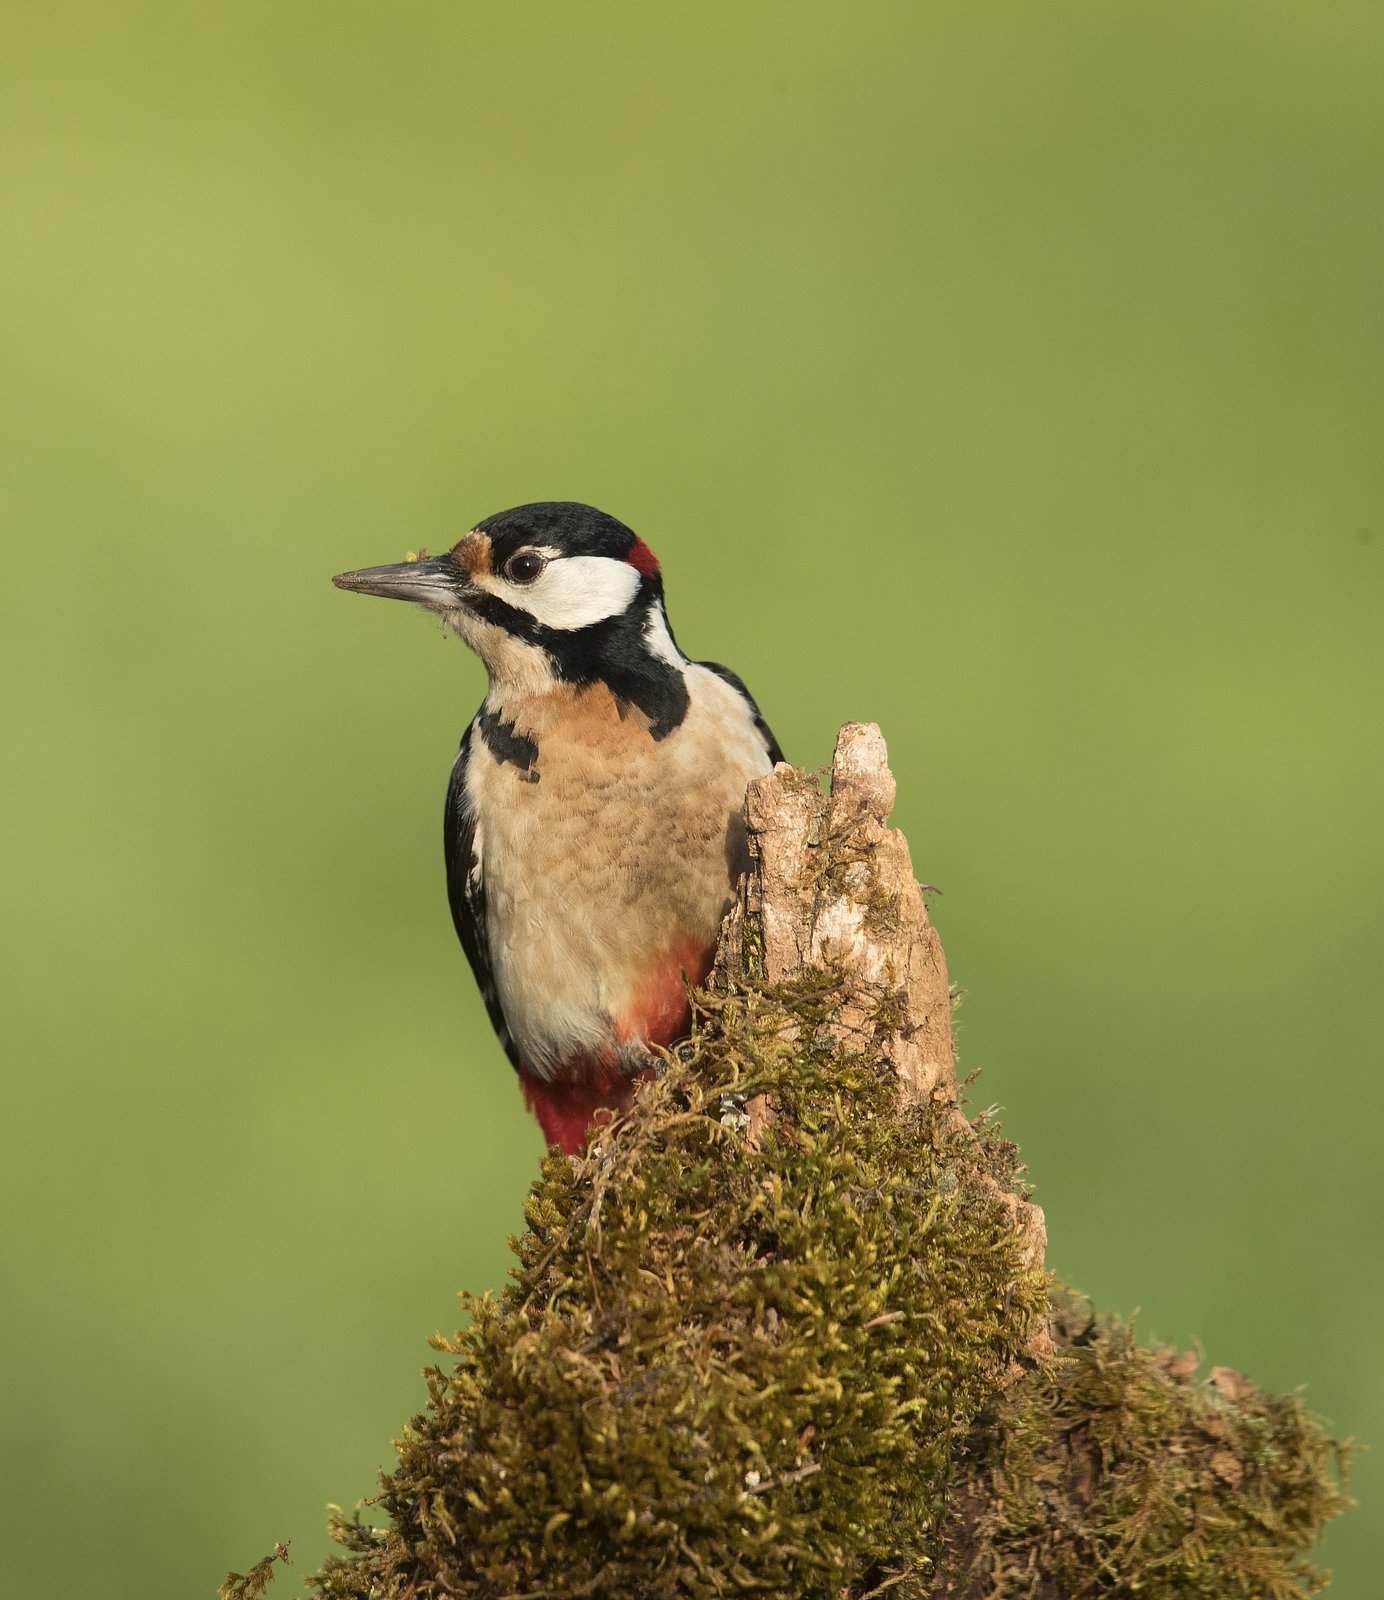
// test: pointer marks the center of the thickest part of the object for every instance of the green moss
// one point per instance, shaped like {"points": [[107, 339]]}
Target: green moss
{"points": [[780, 1352], [726, 1364], [752, 946], [254, 1583], [1116, 1474]]}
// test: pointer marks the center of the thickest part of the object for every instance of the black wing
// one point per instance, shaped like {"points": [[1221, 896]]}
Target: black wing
{"points": [[466, 890], [771, 744]]}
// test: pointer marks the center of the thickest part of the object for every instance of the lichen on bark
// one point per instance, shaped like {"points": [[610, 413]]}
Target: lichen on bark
{"points": [[786, 1329]]}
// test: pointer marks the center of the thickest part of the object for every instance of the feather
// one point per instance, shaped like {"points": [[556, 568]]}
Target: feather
{"points": [[466, 888]]}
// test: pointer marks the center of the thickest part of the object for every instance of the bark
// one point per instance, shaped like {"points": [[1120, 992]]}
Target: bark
{"points": [[831, 884]]}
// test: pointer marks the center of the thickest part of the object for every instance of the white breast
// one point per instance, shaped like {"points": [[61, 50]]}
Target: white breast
{"points": [[624, 847]]}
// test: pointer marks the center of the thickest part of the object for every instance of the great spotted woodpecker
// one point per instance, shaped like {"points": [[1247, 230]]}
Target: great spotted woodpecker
{"points": [[593, 830]]}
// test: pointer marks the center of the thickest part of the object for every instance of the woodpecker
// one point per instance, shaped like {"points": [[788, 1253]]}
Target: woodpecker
{"points": [[593, 831]]}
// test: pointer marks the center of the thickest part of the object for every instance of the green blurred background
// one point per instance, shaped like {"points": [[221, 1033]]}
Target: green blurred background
{"points": [[1006, 374]]}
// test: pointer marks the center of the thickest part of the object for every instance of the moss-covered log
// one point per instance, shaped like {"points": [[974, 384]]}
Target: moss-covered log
{"points": [[785, 1330], [1115, 1472]]}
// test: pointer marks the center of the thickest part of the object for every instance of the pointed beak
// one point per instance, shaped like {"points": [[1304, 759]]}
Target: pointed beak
{"points": [[442, 582]]}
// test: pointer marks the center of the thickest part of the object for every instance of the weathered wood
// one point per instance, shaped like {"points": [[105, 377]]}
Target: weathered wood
{"points": [[831, 885]]}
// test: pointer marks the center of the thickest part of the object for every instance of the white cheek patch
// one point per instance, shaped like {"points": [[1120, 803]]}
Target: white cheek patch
{"points": [[573, 591]]}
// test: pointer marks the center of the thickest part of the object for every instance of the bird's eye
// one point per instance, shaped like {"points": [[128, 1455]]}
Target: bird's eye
{"points": [[523, 566]]}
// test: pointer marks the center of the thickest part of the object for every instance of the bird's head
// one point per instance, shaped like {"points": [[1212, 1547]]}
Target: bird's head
{"points": [[544, 592]]}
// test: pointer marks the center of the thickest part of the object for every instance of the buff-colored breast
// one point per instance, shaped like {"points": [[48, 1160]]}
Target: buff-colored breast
{"points": [[614, 869]]}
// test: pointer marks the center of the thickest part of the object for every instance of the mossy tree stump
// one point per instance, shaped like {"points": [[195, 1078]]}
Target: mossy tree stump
{"points": [[785, 1329]]}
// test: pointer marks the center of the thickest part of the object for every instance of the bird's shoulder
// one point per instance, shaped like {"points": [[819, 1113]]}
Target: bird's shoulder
{"points": [[737, 683]]}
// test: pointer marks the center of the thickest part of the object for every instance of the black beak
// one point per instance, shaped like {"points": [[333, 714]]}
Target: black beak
{"points": [[441, 582]]}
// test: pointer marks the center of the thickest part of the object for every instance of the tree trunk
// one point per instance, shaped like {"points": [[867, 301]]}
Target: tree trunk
{"points": [[785, 1328]]}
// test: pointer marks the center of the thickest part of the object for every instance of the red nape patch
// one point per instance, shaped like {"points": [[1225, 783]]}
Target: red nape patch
{"points": [[566, 1110], [642, 559]]}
